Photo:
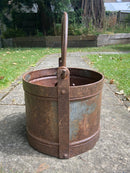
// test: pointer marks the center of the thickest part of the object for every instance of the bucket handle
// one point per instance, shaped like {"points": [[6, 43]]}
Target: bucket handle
{"points": [[64, 39]]}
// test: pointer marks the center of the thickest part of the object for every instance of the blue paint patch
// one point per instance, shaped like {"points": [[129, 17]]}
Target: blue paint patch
{"points": [[27, 77], [77, 110]]}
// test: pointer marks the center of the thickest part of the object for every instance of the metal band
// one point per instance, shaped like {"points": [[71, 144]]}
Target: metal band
{"points": [[63, 111]]}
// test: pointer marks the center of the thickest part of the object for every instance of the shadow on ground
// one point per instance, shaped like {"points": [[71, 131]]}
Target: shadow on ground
{"points": [[13, 140]]}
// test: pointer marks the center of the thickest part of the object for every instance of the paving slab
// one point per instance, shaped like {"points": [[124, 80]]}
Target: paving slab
{"points": [[15, 97], [110, 155]]}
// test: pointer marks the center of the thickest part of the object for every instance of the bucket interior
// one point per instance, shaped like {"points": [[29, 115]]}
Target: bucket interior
{"points": [[77, 77]]}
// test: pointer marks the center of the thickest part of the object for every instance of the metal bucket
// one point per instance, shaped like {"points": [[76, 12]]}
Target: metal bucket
{"points": [[63, 107]]}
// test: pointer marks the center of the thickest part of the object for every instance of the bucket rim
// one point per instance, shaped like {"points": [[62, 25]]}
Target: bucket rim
{"points": [[56, 68]]}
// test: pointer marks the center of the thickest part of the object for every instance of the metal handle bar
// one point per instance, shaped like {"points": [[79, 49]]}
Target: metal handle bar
{"points": [[64, 39]]}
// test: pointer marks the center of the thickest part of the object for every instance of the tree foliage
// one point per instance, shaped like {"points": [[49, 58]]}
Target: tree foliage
{"points": [[50, 12]]}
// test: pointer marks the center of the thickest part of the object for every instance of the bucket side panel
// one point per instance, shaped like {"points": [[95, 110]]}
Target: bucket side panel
{"points": [[41, 117], [84, 118]]}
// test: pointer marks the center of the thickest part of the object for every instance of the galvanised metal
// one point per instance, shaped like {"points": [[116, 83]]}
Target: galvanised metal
{"points": [[63, 108]]}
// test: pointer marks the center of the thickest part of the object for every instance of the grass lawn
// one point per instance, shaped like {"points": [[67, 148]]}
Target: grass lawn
{"points": [[15, 61], [114, 67]]}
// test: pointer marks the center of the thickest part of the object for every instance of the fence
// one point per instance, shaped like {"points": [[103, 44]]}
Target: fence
{"points": [[73, 41], [122, 16], [50, 41]]}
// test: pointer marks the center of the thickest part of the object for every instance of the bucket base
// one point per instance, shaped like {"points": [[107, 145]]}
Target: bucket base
{"points": [[75, 148]]}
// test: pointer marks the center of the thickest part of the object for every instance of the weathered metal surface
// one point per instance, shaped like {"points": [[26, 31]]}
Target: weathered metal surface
{"points": [[64, 38], [63, 111], [84, 87], [42, 110], [42, 123], [63, 107]]}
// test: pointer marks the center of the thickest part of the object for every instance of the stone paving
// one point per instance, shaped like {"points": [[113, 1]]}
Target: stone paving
{"points": [[110, 155]]}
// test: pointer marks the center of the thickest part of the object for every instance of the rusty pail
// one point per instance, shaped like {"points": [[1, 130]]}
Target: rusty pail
{"points": [[63, 107]]}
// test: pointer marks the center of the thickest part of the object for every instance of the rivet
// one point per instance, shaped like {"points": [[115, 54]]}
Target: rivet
{"points": [[63, 91], [63, 74], [65, 156]]}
